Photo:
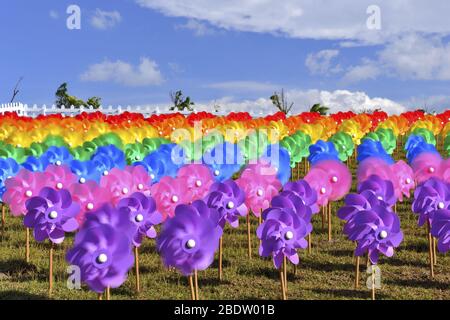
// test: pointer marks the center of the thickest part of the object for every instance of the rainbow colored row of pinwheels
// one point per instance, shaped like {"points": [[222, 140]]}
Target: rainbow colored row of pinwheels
{"points": [[112, 179]]}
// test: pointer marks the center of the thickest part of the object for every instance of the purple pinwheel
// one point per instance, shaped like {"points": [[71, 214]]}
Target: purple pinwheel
{"points": [[291, 202], [51, 214], [432, 195], [307, 194], [383, 189], [440, 229], [282, 233], [141, 210], [356, 202], [189, 240], [229, 200], [102, 249], [376, 230]]}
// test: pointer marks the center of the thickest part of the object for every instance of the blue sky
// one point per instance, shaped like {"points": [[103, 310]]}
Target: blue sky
{"points": [[233, 53]]}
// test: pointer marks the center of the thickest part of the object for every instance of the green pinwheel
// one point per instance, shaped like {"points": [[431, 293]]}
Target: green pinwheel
{"points": [[151, 144], [253, 145], [211, 140], [82, 154], [387, 138], [426, 134], [135, 152], [37, 149], [303, 142], [17, 153], [108, 139], [91, 146], [344, 144], [55, 141], [293, 149]]}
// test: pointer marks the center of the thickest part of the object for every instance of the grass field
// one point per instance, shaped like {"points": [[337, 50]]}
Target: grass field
{"points": [[327, 273]]}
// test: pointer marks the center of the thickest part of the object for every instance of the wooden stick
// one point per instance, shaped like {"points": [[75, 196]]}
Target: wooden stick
{"points": [[100, 296], [285, 276], [323, 217], [27, 245], [329, 221], [196, 284], [357, 272], [220, 257], [435, 250], [260, 222], [191, 284], [50, 271], [283, 292], [3, 219], [249, 239], [108, 293], [430, 250], [136, 264], [309, 243]]}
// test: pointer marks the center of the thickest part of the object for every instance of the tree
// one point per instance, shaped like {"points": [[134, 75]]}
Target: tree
{"points": [[64, 99], [280, 102], [179, 102], [323, 110], [16, 89]]}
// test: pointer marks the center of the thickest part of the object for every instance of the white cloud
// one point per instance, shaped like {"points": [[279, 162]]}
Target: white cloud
{"points": [[328, 19], [339, 100], [438, 103], [103, 20], [252, 86], [416, 57], [321, 62], [145, 74], [411, 57], [365, 71], [200, 29], [53, 14]]}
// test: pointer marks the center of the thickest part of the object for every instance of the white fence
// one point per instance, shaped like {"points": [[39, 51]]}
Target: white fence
{"points": [[35, 110]]}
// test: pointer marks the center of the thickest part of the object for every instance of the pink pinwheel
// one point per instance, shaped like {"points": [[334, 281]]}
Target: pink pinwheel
{"points": [[141, 180], [22, 187], [170, 192], [318, 180], [444, 171], [259, 188], [338, 175], [60, 176], [89, 196], [405, 179], [199, 179], [425, 166], [119, 184], [375, 166]]}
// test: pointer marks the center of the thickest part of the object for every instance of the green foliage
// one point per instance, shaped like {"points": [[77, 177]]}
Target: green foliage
{"points": [[181, 103], [323, 110], [281, 103], [64, 99]]}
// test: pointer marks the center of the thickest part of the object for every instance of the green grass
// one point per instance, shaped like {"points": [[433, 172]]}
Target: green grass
{"points": [[327, 273]]}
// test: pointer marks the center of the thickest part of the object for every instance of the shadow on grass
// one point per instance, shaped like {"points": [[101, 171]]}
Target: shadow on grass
{"points": [[350, 294], [19, 295], [426, 283], [328, 266], [18, 269], [268, 272], [404, 262]]}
